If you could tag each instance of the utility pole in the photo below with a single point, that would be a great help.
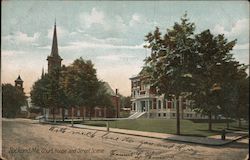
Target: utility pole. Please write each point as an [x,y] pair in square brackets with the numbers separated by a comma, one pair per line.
[116,98]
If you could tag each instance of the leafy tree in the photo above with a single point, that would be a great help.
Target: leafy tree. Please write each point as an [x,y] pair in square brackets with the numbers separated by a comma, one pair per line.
[80,84]
[39,92]
[211,54]
[46,91]
[242,108]
[102,97]
[13,99]
[171,60]
[125,102]
[232,74]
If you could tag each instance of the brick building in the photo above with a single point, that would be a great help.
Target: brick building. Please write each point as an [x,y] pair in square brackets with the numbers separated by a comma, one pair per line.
[146,103]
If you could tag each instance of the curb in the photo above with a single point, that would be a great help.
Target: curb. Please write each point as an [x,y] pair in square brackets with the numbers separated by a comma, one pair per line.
[119,132]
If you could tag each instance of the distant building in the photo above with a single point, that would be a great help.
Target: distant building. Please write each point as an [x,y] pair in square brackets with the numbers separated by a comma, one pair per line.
[146,103]
[19,83]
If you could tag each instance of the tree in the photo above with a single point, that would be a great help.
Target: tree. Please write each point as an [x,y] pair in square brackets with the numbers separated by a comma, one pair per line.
[13,99]
[39,92]
[242,108]
[102,97]
[233,74]
[125,101]
[171,61]
[80,84]
[46,91]
[211,54]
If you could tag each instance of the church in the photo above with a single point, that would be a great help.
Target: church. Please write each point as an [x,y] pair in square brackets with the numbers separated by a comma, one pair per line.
[54,62]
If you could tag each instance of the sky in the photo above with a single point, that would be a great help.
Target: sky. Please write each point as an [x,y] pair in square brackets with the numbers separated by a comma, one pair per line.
[109,33]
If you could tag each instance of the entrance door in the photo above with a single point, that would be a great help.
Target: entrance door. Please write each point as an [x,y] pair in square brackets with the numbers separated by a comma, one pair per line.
[143,107]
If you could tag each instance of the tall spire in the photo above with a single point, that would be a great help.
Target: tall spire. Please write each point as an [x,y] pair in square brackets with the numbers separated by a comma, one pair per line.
[42,73]
[54,49]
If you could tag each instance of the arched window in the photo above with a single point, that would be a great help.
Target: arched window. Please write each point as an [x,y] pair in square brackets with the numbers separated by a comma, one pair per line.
[159,104]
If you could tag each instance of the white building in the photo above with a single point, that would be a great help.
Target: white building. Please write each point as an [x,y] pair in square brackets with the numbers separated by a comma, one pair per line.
[146,103]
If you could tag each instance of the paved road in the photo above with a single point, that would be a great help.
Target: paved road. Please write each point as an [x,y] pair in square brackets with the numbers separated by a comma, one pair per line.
[29,140]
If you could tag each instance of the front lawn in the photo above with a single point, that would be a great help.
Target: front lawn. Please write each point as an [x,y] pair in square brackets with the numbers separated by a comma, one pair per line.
[168,126]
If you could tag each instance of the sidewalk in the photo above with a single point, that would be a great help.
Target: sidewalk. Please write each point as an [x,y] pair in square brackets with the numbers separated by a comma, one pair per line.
[212,140]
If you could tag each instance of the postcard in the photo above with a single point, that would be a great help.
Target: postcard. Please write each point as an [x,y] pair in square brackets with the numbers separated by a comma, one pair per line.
[125,80]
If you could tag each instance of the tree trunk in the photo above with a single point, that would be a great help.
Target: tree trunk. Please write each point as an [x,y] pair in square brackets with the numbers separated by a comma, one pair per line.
[83,112]
[90,113]
[177,116]
[53,110]
[210,121]
[63,114]
[227,121]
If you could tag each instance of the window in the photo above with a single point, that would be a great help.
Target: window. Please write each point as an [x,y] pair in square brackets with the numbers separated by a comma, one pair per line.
[164,114]
[159,104]
[150,104]
[159,115]
[66,112]
[164,104]
[190,115]
[134,106]
[169,104]
[173,114]
[154,103]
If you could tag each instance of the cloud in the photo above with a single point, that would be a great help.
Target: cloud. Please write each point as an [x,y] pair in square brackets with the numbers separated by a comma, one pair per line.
[94,17]
[239,27]
[242,46]
[21,38]
[9,53]
[115,57]
[78,45]
[136,18]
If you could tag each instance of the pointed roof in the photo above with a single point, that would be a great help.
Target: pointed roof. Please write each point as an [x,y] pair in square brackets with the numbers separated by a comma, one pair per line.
[42,73]
[54,49]
[18,79]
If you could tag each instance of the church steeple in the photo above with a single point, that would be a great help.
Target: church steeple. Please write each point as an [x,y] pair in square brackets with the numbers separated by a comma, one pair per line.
[54,49]
[54,60]
[42,73]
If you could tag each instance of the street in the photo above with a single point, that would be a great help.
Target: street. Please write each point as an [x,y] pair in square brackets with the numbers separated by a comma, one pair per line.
[25,139]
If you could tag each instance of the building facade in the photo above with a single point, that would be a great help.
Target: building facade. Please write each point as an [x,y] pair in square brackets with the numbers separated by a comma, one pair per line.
[146,103]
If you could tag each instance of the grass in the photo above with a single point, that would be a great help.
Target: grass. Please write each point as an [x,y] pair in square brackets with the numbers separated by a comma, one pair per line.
[188,127]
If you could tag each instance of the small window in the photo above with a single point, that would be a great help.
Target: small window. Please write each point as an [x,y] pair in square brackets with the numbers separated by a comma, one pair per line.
[164,114]
[159,115]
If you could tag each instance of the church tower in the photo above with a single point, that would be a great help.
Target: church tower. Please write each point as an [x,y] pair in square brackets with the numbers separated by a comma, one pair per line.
[54,60]
[19,83]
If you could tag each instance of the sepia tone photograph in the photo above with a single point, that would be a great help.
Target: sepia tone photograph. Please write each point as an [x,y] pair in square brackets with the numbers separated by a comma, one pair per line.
[124,80]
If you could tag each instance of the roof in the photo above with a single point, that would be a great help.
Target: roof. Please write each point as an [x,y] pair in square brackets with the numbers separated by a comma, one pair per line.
[18,79]
[54,50]
[109,89]
[134,77]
